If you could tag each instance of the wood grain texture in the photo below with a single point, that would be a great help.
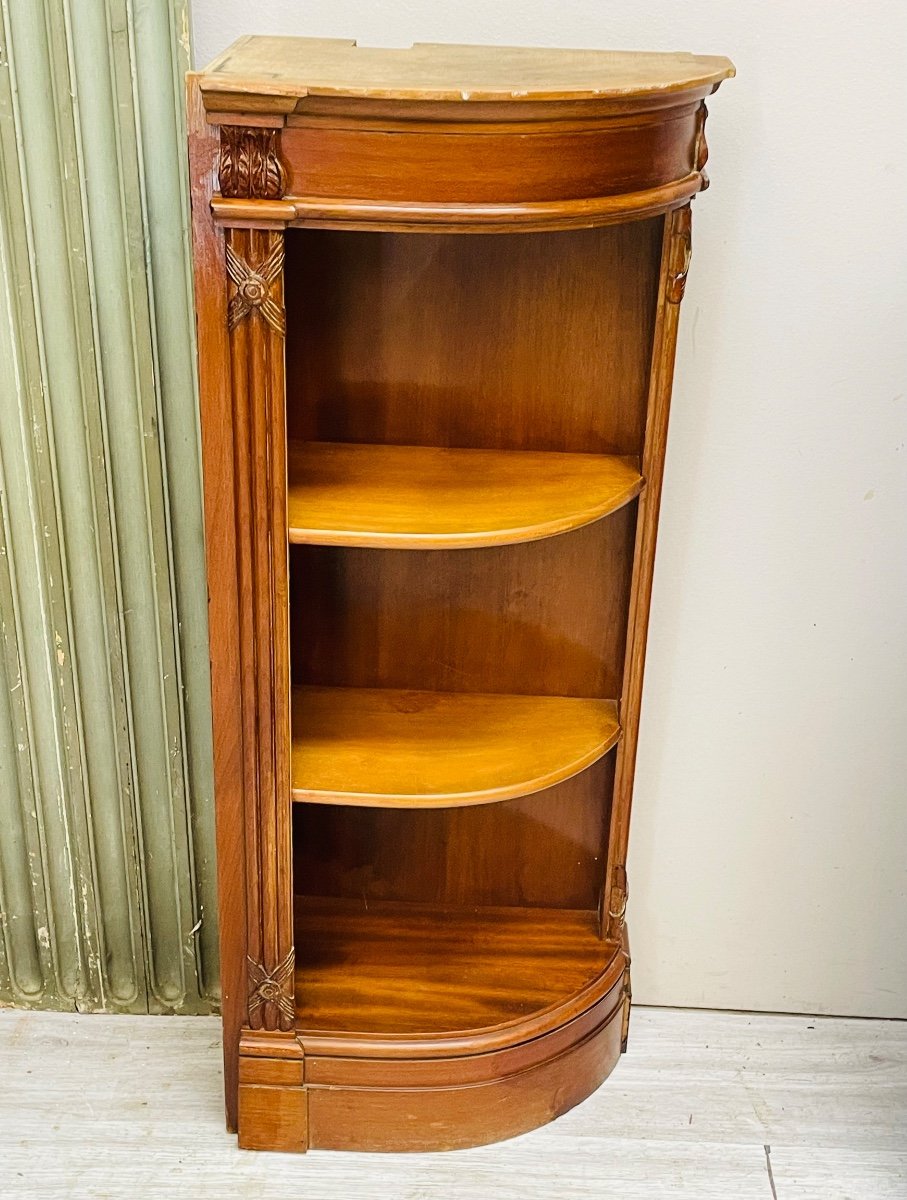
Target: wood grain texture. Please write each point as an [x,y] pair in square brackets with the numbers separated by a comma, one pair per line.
[430,1029]
[410,969]
[412,216]
[424,497]
[543,618]
[417,749]
[489,165]
[243,425]
[463,1115]
[542,850]
[255,323]
[500,342]
[223,610]
[362,125]
[675,263]
[298,67]
[439,1060]
[273,1117]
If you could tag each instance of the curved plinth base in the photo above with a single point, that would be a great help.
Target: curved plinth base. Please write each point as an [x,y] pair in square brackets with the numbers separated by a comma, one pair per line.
[433,1093]
[448,1105]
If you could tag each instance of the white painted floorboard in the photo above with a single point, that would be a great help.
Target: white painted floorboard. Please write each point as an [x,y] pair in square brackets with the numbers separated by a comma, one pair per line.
[114,1107]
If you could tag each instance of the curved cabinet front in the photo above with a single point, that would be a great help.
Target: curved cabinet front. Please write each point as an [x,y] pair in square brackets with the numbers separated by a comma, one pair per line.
[424,1030]
[372,1101]
[432,479]
[591,151]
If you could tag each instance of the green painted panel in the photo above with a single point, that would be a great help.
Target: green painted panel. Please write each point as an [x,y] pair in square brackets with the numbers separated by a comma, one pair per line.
[107,895]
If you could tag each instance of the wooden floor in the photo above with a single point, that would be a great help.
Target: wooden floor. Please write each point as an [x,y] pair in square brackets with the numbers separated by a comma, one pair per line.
[704,1105]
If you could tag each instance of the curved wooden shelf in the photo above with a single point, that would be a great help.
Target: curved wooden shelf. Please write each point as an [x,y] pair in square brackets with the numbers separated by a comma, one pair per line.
[426,498]
[406,749]
[442,978]
[427,1027]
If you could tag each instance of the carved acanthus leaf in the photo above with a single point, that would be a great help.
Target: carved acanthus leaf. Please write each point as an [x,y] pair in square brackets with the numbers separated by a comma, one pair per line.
[250,166]
[681,247]
[701,149]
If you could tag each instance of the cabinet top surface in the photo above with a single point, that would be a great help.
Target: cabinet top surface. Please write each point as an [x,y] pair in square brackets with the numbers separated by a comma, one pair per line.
[297,67]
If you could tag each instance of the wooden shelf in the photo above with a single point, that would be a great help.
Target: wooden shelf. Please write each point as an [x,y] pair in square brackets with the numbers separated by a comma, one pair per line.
[410,969]
[396,749]
[424,497]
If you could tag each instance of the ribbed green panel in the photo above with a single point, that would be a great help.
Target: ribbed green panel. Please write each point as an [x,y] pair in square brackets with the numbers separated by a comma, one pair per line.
[107,896]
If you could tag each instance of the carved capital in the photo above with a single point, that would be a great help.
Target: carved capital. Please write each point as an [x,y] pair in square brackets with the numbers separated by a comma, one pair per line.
[681,248]
[250,166]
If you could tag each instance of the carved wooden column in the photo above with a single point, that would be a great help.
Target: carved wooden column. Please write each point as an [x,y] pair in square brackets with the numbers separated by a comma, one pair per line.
[271,1108]
[249,167]
[254,260]
[675,261]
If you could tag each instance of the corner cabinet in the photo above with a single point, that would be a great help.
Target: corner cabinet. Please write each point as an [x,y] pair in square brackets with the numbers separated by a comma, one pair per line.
[437,294]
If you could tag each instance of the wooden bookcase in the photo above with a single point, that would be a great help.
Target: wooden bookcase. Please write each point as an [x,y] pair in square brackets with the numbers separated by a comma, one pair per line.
[437,294]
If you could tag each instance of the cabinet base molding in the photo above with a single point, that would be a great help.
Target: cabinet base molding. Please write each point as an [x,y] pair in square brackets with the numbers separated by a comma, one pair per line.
[341,1092]
[273,1118]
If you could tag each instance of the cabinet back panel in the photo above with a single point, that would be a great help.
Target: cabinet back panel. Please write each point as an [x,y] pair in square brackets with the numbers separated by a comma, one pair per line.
[506,341]
[543,850]
[510,342]
[542,618]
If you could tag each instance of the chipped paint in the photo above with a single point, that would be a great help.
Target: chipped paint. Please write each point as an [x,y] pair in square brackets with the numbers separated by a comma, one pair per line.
[106,836]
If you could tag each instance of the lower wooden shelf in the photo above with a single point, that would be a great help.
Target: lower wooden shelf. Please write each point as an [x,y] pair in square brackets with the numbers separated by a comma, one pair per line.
[418,969]
[426,1028]
[393,748]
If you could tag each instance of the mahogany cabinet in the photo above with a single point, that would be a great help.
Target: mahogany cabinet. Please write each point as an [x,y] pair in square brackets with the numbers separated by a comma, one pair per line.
[437,292]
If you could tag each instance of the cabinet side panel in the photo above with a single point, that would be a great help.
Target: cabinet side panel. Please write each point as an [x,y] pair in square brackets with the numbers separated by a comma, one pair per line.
[223,618]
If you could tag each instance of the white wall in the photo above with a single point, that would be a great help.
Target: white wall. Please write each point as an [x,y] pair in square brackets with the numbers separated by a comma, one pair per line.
[770,827]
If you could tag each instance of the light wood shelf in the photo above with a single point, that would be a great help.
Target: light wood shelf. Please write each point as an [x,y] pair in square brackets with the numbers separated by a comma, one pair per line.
[414,749]
[426,497]
[411,968]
